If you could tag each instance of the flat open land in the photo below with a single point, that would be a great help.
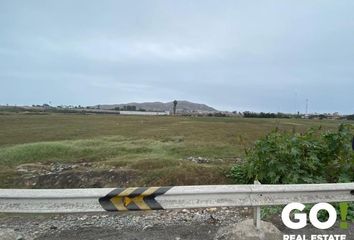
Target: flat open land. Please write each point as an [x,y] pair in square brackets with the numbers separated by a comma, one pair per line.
[76,150]
[73,150]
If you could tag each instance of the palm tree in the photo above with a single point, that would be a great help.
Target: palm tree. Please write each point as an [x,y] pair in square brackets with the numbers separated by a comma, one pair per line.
[174,107]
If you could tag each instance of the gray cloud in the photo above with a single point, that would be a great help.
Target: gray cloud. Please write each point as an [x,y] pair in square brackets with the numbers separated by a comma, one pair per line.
[234,55]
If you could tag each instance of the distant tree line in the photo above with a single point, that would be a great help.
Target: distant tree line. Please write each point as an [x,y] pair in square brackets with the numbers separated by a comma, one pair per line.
[217,114]
[318,116]
[350,117]
[129,108]
[249,114]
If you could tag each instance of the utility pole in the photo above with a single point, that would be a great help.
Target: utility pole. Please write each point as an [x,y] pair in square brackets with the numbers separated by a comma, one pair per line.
[307,106]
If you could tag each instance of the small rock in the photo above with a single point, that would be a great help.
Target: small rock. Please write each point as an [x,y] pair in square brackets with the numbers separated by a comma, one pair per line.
[185,211]
[198,160]
[83,218]
[212,209]
[147,227]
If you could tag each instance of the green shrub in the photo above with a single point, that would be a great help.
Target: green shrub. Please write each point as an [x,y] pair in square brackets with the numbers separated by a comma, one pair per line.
[310,157]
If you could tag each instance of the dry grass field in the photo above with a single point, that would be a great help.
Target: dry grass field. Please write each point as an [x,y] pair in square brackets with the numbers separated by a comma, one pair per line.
[156,148]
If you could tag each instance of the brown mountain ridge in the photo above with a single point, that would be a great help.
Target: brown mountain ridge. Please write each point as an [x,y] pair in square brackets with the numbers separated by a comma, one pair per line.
[182,106]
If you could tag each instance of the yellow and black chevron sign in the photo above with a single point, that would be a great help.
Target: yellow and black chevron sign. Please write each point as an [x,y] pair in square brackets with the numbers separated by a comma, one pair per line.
[133,199]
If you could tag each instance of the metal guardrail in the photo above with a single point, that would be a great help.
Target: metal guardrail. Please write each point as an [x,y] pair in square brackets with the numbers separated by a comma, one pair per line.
[154,198]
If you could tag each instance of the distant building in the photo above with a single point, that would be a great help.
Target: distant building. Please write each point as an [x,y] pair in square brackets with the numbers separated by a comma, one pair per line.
[144,113]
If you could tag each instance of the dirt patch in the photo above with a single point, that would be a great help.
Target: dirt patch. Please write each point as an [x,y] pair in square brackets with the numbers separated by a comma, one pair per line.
[73,176]
[84,179]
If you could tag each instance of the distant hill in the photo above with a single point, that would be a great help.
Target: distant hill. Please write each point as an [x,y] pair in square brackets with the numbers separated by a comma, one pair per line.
[182,106]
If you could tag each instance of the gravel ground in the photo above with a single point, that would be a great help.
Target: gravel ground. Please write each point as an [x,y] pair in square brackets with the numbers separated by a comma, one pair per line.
[188,224]
[170,224]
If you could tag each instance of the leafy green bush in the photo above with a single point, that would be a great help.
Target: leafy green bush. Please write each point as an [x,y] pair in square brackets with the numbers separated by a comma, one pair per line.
[311,157]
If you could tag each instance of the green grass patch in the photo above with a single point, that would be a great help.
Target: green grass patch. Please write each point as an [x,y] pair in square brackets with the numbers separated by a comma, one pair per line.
[99,149]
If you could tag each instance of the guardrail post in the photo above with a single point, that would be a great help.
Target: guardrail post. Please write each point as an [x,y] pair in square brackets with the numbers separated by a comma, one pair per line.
[257,212]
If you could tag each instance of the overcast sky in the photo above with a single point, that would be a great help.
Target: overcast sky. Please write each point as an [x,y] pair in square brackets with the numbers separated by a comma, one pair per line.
[231,55]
